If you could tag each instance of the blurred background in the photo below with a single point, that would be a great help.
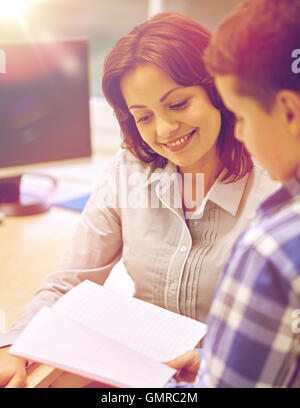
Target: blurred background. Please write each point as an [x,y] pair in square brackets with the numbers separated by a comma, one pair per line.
[102,22]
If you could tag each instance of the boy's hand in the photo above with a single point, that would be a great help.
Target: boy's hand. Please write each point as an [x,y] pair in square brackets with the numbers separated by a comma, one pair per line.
[187,365]
[12,370]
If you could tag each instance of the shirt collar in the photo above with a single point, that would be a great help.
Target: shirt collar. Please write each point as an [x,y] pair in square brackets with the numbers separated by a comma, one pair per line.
[161,174]
[281,197]
[225,195]
[228,195]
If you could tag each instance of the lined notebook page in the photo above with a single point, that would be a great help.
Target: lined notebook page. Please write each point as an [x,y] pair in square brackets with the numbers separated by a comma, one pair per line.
[54,339]
[148,329]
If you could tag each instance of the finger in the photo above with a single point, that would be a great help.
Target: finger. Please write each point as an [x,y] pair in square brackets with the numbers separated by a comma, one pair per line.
[183,360]
[4,382]
[5,378]
[177,377]
[18,380]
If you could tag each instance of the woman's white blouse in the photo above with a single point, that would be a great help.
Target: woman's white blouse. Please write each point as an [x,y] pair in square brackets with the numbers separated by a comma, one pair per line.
[136,214]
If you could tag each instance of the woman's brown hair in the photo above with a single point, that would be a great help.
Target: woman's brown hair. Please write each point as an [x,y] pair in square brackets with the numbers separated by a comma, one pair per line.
[175,44]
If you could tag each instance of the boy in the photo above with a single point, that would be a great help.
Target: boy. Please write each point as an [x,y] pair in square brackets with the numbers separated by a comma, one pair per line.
[253,337]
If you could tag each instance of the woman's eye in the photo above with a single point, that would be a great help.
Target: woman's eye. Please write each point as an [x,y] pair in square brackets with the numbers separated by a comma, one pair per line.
[179,105]
[143,119]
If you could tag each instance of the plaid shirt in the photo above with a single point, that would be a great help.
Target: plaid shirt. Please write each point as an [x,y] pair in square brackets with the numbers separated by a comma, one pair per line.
[253,337]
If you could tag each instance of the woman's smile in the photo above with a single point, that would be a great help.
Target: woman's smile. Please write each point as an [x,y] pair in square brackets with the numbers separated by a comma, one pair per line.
[169,117]
[179,143]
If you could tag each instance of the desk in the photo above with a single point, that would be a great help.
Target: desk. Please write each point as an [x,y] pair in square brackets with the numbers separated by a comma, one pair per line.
[30,248]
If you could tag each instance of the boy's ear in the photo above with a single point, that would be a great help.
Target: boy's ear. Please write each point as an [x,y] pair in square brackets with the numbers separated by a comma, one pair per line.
[289,103]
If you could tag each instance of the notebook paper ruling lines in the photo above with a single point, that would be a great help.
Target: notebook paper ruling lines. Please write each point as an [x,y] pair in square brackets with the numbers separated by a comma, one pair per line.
[58,341]
[146,327]
[107,336]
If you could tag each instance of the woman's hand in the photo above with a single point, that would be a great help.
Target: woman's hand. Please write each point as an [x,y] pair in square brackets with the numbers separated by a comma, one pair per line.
[12,370]
[187,365]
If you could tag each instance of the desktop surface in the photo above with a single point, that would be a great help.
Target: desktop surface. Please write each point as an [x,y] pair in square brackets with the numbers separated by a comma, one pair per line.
[31,246]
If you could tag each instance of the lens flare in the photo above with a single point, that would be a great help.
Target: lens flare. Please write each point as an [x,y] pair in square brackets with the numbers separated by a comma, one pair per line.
[13,8]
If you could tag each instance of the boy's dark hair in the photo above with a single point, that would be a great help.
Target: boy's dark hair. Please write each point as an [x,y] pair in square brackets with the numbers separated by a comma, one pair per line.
[255,44]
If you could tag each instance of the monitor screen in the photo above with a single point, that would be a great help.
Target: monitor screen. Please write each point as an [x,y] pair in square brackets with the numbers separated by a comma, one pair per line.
[44,104]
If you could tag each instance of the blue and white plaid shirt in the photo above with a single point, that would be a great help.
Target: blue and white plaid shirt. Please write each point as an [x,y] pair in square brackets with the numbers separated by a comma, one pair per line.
[253,337]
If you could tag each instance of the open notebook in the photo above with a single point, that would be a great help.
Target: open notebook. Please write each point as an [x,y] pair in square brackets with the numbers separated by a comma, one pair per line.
[109,337]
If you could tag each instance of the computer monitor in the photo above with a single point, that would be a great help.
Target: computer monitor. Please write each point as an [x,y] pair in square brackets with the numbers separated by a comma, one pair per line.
[44,114]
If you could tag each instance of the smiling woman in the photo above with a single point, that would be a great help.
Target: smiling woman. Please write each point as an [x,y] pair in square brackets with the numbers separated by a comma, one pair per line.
[175,243]
[173,45]
[178,123]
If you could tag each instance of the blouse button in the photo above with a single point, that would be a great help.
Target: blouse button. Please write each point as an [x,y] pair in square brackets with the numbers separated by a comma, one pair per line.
[183,248]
